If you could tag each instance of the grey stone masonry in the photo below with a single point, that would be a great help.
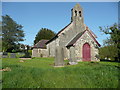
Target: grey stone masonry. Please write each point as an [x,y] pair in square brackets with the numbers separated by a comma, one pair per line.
[59,56]
[72,60]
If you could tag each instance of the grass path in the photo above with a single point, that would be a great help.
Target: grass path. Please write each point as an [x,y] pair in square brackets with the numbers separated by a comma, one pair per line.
[40,73]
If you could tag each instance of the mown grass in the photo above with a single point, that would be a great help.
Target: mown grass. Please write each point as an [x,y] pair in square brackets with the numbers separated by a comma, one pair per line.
[40,73]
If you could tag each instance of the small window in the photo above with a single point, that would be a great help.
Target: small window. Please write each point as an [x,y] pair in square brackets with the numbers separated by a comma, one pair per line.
[80,13]
[75,13]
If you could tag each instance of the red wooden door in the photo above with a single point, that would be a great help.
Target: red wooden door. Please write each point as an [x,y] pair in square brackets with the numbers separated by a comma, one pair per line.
[86,52]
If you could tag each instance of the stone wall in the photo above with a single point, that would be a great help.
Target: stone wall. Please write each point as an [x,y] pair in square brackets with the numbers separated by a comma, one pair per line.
[70,32]
[86,38]
[35,52]
[51,47]
[38,52]
[64,38]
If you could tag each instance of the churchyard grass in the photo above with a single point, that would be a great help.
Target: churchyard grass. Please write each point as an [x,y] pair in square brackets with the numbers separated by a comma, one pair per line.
[17,55]
[40,73]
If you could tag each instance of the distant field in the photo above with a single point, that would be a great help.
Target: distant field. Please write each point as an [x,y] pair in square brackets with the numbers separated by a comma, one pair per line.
[40,73]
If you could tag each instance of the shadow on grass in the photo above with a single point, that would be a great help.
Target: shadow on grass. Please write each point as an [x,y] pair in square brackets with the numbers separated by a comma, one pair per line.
[105,60]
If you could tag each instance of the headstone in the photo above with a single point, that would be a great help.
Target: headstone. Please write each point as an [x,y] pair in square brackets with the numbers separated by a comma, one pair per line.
[12,55]
[73,60]
[59,56]
[4,55]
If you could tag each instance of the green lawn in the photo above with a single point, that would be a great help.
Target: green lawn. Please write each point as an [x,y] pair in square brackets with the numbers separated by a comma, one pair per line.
[40,73]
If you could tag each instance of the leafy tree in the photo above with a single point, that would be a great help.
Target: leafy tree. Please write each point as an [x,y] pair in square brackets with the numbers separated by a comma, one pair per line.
[114,39]
[12,33]
[44,33]
[108,52]
[0,36]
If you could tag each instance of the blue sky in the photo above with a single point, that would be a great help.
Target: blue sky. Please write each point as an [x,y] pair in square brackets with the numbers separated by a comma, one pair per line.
[56,15]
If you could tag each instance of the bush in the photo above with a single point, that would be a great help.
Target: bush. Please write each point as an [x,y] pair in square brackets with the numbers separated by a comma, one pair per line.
[30,52]
[27,54]
[5,53]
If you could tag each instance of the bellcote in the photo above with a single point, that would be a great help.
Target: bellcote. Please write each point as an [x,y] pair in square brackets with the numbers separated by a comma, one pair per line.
[77,13]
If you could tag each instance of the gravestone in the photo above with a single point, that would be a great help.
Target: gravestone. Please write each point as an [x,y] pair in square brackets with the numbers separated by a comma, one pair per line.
[59,56]
[12,55]
[73,60]
[4,55]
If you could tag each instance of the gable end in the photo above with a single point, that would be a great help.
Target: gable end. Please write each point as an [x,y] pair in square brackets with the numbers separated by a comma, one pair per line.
[78,36]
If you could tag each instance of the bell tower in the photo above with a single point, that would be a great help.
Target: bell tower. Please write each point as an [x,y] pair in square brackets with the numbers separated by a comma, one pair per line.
[77,13]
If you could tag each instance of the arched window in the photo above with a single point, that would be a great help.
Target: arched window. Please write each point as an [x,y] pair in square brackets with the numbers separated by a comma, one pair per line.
[80,13]
[75,13]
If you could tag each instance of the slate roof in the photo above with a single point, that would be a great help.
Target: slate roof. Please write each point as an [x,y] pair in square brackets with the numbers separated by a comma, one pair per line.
[41,44]
[58,33]
[78,36]
[63,30]
[75,39]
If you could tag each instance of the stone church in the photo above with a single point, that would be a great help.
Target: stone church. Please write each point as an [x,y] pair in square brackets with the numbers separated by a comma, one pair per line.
[76,39]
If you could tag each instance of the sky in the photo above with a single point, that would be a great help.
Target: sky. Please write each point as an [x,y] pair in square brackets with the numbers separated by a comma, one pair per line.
[56,15]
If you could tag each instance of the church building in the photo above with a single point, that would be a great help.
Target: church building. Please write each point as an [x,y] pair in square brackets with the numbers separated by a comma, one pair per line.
[77,37]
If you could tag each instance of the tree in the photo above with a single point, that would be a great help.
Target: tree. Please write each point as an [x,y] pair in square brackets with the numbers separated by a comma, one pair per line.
[114,39]
[108,52]
[0,36]
[12,33]
[44,33]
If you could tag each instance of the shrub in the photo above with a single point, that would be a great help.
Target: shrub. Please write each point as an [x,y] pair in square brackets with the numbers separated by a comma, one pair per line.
[30,52]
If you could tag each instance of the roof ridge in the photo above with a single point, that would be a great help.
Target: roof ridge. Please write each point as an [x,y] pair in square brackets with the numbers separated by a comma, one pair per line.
[77,37]
[58,33]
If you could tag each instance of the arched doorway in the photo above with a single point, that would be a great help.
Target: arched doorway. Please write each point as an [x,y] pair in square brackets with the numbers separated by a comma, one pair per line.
[86,52]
